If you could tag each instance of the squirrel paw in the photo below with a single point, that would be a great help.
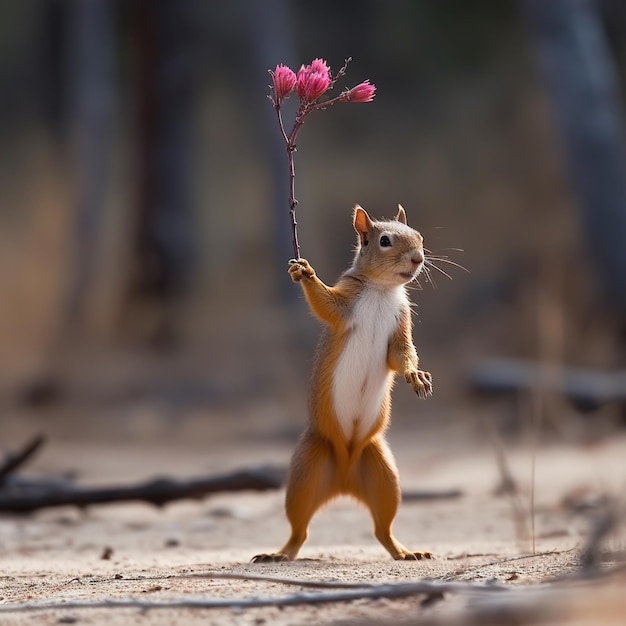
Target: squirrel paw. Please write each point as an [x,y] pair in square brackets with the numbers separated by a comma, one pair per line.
[299,269]
[414,556]
[269,558]
[422,382]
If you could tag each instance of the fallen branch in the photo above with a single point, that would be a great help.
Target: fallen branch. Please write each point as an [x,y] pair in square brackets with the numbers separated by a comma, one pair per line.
[580,576]
[296,582]
[25,495]
[371,592]
[157,492]
[476,568]
[508,601]
[14,461]
[429,496]
[603,523]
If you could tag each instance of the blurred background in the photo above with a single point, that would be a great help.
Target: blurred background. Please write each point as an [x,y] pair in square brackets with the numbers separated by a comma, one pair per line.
[144,233]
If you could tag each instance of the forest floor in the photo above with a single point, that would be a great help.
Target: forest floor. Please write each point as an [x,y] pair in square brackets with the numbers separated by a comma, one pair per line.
[181,552]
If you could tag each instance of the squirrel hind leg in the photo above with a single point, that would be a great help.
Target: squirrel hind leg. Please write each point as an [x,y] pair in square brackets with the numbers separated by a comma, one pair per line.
[313,480]
[376,483]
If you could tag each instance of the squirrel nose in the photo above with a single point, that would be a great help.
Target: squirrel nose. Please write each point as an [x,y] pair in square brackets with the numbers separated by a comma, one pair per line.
[417,258]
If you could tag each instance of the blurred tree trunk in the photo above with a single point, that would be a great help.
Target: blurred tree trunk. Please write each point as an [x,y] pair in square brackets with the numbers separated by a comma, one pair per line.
[162,245]
[80,40]
[580,76]
[91,50]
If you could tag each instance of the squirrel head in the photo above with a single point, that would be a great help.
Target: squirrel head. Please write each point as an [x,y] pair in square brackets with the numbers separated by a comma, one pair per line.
[389,252]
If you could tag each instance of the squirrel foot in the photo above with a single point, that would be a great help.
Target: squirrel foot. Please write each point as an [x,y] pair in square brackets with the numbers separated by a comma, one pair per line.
[270,558]
[299,269]
[413,556]
[422,382]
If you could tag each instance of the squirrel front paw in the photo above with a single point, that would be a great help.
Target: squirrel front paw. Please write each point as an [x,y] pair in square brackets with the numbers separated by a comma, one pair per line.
[422,382]
[299,269]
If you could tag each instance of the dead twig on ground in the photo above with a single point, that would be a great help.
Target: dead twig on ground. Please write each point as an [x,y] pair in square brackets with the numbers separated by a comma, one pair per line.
[508,486]
[14,461]
[507,600]
[28,495]
[603,523]
[371,592]
[297,582]
[522,557]
[427,496]
[158,492]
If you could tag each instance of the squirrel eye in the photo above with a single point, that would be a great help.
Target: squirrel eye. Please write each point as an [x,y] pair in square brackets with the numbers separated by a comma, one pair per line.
[385,242]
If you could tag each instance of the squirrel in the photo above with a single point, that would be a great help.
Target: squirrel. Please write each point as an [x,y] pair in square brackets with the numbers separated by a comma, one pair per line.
[367,339]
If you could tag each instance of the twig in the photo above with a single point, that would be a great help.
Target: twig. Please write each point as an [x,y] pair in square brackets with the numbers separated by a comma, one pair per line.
[535,429]
[157,492]
[507,598]
[604,522]
[523,557]
[314,584]
[290,147]
[374,592]
[17,459]
[427,496]
[30,495]
[508,486]
[338,584]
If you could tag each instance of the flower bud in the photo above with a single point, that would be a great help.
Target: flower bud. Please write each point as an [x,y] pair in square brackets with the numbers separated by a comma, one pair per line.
[284,81]
[364,92]
[320,66]
[313,80]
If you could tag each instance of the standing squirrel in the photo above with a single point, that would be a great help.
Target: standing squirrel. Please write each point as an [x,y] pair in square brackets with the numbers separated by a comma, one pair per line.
[367,340]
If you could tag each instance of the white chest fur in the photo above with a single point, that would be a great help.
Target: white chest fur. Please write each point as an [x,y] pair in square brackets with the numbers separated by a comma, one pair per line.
[362,376]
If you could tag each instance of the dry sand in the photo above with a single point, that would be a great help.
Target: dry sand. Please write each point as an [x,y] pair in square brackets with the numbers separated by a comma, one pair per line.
[58,555]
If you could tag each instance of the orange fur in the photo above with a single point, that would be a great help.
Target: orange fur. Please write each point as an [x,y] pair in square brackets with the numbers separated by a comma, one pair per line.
[330,458]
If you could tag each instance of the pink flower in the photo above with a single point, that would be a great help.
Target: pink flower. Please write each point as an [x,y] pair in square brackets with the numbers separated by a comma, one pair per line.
[319,65]
[313,80]
[284,81]
[364,92]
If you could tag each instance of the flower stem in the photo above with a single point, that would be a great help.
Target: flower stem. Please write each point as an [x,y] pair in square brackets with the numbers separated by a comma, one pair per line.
[290,146]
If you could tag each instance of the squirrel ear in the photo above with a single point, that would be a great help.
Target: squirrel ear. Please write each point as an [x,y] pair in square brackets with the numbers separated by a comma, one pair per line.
[401,216]
[362,224]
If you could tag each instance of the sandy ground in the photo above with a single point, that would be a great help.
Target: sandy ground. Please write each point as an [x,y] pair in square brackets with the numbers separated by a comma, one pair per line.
[58,555]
